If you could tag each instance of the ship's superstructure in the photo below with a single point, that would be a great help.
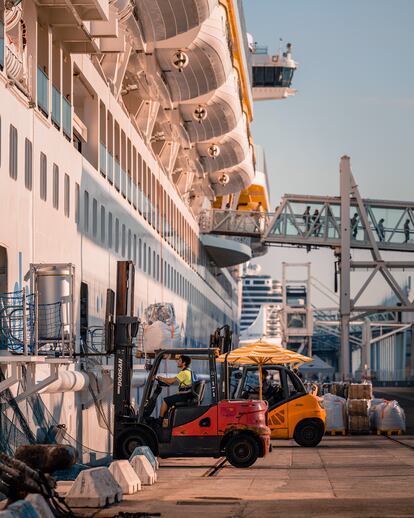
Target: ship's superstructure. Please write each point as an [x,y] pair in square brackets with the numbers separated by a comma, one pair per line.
[119,122]
[258,290]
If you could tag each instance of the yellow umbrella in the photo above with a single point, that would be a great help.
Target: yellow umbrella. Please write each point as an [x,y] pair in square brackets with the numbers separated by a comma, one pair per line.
[261,353]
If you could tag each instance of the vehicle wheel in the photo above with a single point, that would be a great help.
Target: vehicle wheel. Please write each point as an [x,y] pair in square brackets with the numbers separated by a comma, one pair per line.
[242,451]
[308,433]
[130,439]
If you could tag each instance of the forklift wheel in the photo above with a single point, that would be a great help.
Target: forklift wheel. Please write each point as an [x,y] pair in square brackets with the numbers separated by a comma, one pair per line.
[130,439]
[242,451]
[308,433]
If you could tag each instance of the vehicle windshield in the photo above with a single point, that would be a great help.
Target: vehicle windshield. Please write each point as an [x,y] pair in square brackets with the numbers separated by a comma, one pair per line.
[272,389]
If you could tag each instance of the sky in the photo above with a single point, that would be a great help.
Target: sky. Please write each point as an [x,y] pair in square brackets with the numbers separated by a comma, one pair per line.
[355,96]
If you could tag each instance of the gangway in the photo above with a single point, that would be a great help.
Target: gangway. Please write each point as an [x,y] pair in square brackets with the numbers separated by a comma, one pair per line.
[291,225]
[341,223]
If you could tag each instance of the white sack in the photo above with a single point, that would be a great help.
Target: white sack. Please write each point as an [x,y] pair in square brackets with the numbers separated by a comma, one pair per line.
[335,407]
[390,416]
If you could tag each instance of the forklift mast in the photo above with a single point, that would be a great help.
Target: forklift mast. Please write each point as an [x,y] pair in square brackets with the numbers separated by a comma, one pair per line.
[125,329]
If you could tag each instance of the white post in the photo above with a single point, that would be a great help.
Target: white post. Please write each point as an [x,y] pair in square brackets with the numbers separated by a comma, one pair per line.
[345,263]
[24,321]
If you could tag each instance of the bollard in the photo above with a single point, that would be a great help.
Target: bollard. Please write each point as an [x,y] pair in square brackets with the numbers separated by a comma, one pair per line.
[124,474]
[144,470]
[20,509]
[94,487]
[146,450]
[40,504]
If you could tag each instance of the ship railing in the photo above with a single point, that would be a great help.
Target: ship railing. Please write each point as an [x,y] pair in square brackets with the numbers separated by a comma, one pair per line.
[102,158]
[123,182]
[67,118]
[17,322]
[42,91]
[260,49]
[1,45]
[117,182]
[30,328]
[56,106]
[110,168]
[233,222]
[129,188]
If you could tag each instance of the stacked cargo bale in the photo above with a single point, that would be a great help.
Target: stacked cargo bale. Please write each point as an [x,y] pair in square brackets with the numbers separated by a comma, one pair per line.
[359,399]
[340,389]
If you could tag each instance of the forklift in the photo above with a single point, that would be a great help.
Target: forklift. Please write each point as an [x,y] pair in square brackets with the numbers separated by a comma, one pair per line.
[292,412]
[206,425]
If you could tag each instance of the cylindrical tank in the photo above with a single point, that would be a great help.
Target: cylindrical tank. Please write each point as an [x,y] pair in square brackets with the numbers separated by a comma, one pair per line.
[53,286]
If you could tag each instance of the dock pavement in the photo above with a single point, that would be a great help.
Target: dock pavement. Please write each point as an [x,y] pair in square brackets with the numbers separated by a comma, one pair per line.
[345,476]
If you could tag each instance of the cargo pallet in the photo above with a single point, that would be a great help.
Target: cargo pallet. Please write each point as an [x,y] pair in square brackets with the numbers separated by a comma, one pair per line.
[389,432]
[335,432]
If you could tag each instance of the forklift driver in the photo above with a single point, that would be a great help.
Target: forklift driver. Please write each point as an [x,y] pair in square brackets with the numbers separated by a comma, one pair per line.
[271,390]
[184,379]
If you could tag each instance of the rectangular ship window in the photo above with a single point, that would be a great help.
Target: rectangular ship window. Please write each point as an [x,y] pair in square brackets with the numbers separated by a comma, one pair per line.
[77,195]
[43,176]
[123,240]
[13,153]
[134,249]
[103,222]
[86,211]
[110,229]
[94,217]
[116,235]
[66,195]
[28,164]
[55,186]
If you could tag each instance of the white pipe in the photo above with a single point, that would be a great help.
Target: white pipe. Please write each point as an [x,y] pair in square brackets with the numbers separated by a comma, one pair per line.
[68,381]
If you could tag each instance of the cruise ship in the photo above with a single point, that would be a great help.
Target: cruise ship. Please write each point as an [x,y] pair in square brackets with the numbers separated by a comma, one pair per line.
[120,121]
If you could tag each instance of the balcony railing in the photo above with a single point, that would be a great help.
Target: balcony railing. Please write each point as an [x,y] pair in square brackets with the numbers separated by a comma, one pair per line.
[56,105]
[67,118]
[231,222]
[102,158]
[117,174]
[1,45]
[42,91]
[110,166]
[123,182]
[129,189]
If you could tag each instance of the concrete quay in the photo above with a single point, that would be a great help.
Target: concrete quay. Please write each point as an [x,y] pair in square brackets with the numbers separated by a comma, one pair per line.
[351,476]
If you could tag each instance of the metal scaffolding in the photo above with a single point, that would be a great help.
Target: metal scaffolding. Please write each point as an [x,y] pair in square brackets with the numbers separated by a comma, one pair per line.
[341,223]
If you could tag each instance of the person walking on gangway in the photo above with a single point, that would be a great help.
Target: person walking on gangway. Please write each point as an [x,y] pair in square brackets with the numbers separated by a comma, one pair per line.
[354,225]
[407,230]
[316,223]
[381,230]
[307,218]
